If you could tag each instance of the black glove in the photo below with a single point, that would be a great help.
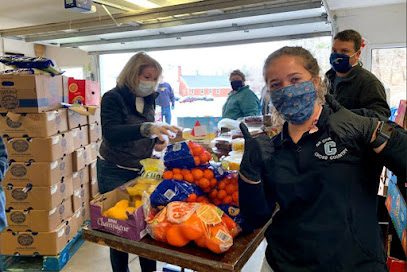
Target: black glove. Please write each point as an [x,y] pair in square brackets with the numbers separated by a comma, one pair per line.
[257,151]
[349,126]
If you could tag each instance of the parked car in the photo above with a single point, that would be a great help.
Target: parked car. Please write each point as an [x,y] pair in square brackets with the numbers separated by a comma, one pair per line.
[208,98]
[187,99]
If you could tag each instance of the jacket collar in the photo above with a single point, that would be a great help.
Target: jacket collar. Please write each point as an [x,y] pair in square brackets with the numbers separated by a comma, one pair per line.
[283,137]
[331,74]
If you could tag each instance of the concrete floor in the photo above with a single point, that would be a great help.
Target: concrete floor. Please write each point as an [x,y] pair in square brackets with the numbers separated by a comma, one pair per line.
[95,258]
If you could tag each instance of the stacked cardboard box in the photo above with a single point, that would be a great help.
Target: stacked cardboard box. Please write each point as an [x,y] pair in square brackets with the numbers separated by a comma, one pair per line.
[95,137]
[47,184]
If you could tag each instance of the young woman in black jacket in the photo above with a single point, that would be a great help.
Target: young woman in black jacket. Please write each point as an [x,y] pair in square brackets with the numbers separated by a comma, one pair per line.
[129,134]
[316,171]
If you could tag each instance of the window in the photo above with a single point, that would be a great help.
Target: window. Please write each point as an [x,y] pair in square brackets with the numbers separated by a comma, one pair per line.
[210,91]
[389,65]
[202,91]
[192,91]
[75,72]
[217,91]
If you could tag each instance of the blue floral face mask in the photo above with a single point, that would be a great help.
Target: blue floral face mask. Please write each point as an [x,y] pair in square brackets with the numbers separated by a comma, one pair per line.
[295,102]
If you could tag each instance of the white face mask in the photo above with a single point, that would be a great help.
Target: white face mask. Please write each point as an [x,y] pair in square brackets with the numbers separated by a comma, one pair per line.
[145,88]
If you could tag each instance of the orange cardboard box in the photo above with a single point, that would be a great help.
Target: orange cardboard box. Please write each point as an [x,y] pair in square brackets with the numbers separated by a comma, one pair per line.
[76,119]
[80,177]
[42,243]
[39,149]
[39,173]
[22,197]
[39,220]
[80,136]
[30,93]
[34,124]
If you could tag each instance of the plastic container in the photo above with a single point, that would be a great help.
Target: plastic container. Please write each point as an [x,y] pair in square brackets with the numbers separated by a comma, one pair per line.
[238,144]
[233,162]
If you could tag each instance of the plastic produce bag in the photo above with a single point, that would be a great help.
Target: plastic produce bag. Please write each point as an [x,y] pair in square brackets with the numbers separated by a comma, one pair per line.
[180,223]
[186,155]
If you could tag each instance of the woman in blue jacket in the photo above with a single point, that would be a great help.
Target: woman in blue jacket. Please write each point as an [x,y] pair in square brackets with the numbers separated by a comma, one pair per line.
[316,171]
[241,101]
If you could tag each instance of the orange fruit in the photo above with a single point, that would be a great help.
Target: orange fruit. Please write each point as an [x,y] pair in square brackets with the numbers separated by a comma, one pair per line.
[197,173]
[208,174]
[168,174]
[160,230]
[235,196]
[231,225]
[178,177]
[185,172]
[176,171]
[203,158]
[189,177]
[201,241]
[221,194]
[192,228]
[191,144]
[197,160]
[213,182]
[222,184]
[217,201]
[219,239]
[202,199]
[208,155]
[191,198]
[227,199]
[204,183]
[197,150]
[230,189]
[207,189]
[175,236]
[213,194]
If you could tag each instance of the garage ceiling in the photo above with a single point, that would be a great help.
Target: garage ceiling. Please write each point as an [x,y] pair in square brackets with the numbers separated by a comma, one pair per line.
[121,26]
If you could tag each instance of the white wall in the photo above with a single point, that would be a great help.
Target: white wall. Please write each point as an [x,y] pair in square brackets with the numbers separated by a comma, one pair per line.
[64,57]
[380,25]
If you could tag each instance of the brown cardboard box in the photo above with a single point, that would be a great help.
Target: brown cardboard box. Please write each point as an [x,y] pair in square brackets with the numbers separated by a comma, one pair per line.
[80,197]
[30,93]
[81,215]
[92,170]
[38,198]
[34,124]
[42,243]
[94,116]
[94,147]
[80,136]
[39,149]
[75,119]
[93,188]
[65,90]
[95,132]
[80,177]
[39,220]
[81,157]
[39,173]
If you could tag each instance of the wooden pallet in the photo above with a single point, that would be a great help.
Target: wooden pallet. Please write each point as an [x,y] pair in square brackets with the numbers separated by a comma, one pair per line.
[42,263]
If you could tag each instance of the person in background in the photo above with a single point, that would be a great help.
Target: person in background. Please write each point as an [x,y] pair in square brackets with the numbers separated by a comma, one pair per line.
[241,101]
[165,99]
[313,169]
[350,84]
[265,101]
[129,134]
[3,170]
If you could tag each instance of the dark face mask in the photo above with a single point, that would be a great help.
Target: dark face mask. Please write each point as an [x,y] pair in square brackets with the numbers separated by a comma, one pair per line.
[340,62]
[236,84]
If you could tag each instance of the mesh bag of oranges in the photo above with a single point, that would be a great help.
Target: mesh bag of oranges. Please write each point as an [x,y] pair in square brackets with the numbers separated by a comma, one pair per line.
[186,155]
[180,223]
[226,191]
[205,177]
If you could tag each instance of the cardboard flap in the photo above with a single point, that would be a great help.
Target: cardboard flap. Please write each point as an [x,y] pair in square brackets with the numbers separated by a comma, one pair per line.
[15,117]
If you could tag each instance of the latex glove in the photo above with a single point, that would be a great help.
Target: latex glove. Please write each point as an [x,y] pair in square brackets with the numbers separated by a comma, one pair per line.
[257,151]
[349,126]
[172,107]
[160,145]
[159,130]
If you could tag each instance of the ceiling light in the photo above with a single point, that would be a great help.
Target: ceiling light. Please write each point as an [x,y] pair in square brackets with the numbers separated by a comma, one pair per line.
[144,3]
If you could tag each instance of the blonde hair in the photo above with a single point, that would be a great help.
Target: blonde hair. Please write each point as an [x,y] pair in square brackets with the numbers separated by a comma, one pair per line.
[306,59]
[129,76]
